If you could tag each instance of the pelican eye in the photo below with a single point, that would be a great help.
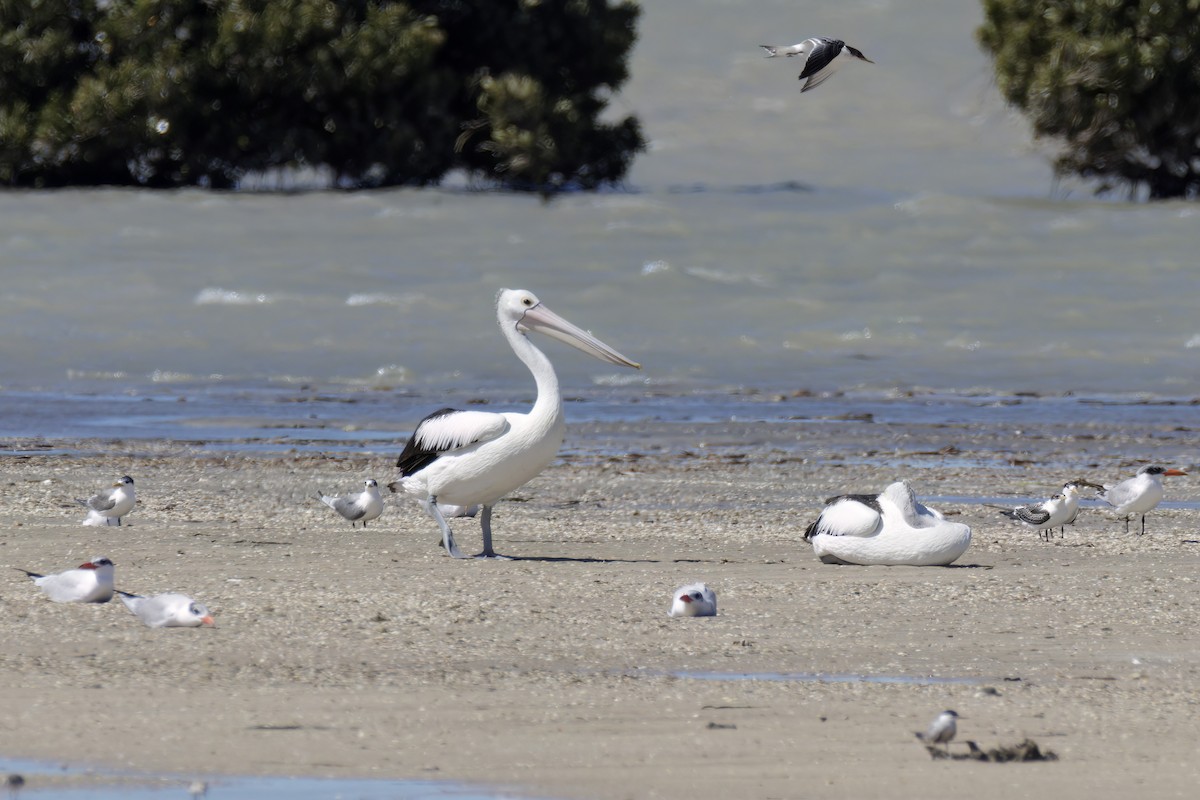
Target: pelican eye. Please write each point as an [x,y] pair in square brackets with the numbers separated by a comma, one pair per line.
[528,301]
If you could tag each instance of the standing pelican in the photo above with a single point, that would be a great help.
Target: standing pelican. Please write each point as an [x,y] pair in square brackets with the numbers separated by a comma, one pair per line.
[464,458]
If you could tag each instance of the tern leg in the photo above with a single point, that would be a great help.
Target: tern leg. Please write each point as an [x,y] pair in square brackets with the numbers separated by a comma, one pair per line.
[447,537]
[1143,524]
[485,525]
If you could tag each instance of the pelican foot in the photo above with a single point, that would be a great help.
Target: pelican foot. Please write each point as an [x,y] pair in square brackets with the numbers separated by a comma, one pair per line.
[494,557]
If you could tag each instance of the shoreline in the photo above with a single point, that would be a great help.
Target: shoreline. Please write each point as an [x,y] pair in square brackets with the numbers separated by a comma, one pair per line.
[369,654]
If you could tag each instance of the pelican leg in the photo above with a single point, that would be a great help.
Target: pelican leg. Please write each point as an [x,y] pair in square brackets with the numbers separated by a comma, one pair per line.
[485,525]
[447,537]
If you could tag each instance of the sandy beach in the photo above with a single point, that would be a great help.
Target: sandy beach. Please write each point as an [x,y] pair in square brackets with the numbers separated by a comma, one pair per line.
[368,653]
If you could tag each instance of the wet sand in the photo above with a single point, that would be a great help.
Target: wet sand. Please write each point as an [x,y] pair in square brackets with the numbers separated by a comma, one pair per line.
[369,653]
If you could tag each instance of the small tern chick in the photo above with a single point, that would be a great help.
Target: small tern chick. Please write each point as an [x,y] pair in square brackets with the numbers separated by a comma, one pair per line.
[362,507]
[822,57]
[111,504]
[91,582]
[169,610]
[942,730]
[694,600]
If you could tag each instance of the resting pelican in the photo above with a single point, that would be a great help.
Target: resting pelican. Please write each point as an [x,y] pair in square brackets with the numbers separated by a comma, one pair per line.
[890,529]
[464,458]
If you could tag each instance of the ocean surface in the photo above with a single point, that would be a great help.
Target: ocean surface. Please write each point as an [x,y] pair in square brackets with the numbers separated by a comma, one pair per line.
[893,241]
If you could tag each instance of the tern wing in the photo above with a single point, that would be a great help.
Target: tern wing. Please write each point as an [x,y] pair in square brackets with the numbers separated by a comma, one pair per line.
[1120,494]
[101,502]
[1030,515]
[820,65]
[447,430]
[348,507]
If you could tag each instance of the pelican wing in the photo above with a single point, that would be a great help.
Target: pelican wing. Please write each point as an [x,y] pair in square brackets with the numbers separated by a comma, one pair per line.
[848,515]
[444,431]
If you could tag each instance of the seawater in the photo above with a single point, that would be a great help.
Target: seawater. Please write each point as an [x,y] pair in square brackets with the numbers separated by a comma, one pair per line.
[894,233]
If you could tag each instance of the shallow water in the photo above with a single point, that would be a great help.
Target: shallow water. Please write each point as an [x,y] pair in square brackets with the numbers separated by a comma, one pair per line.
[69,782]
[823,677]
[893,230]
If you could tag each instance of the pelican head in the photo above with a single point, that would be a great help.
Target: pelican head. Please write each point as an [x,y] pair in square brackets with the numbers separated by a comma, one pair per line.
[522,309]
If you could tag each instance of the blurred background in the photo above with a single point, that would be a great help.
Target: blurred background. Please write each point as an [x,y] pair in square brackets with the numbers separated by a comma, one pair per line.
[895,231]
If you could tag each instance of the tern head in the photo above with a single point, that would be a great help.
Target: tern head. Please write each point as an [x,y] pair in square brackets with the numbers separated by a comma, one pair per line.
[523,309]
[1154,469]
[858,54]
[124,480]
[694,600]
[199,616]
[96,563]
[370,483]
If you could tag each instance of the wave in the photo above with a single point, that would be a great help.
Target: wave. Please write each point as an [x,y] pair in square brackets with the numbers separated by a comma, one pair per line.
[215,295]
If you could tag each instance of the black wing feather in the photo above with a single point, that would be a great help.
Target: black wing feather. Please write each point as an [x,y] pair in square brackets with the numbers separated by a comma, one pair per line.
[819,58]
[413,458]
[869,500]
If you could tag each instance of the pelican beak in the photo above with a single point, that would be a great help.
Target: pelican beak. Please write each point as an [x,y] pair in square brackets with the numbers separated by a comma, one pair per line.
[1174,472]
[543,320]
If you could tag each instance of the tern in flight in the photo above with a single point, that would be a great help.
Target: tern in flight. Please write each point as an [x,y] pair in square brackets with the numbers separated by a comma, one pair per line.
[822,57]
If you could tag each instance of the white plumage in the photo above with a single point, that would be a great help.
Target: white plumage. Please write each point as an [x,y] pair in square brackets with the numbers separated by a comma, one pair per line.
[942,730]
[821,56]
[362,507]
[1056,511]
[111,504]
[465,458]
[90,582]
[1138,495]
[693,600]
[889,529]
[168,610]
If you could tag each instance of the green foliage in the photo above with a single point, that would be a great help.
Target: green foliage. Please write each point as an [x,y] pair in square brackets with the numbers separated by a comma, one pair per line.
[202,92]
[1117,80]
